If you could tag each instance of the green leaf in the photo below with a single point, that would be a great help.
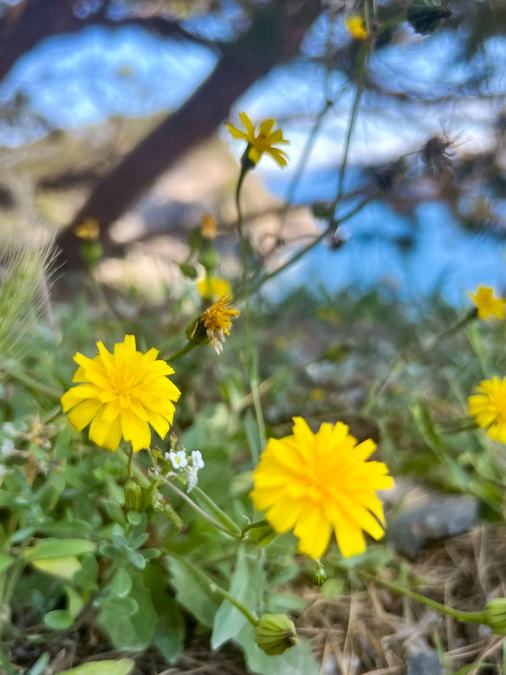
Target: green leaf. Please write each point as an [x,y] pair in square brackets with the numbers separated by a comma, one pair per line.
[130,622]
[64,567]
[169,637]
[121,583]
[5,561]
[58,619]
[121,667]
[58,548]
[192,592]
[247,586]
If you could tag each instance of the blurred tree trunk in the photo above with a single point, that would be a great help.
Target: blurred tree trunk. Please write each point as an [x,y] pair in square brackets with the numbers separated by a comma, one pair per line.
[274,36]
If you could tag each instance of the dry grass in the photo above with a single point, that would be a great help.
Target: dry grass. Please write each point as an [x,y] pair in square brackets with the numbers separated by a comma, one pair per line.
[371,632]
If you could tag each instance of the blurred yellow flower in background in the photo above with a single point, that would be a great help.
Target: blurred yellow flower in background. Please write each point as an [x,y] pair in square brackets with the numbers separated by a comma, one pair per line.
[120,395]
[355,25]
[488,406]
[262,141]
[89,229]
[314,483]
[212,288]
[488,306]
[217,322]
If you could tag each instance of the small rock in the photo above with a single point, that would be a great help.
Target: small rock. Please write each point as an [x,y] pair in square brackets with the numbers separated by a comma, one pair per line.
[421,524]
[424,662]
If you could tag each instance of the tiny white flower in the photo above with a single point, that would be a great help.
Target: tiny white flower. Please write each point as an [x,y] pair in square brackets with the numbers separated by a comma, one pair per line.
[9,429]
[7,448]
[178,459]
[197,461]
[193,478]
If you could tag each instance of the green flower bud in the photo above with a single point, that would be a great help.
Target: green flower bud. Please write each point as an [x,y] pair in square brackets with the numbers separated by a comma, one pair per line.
[319,575]
[133,496]
[275,633]
[495,615]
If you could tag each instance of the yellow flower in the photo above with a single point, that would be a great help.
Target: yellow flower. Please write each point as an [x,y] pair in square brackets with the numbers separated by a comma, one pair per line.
[216,321]
[212,288]
[208,227]
[316,483]
[488,407]
[355,25]
[89,229]
[488,306]
[120,394]
[262,141]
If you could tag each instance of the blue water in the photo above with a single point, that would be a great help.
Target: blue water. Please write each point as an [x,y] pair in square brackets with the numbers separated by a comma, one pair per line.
[82,79]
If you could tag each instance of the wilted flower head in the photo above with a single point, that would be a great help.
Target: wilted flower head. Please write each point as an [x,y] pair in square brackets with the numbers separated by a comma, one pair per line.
[316,483]
[355,25]
[212,288]
[120,395]
[488,406]
[487,305]
[262,141]
[216,322]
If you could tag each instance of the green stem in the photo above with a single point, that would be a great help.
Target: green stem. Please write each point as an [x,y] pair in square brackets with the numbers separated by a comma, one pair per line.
[460,615]
[191,344]
[252,526]
[349,134]
[217,589]
[199,510]
[129,465]
[302,252]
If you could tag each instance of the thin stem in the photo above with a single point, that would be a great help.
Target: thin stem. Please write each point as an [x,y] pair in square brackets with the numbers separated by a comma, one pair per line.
[129,465]
[197,508]
[191,344]
[302,252]
[349,133]
[216,588]
[460,615]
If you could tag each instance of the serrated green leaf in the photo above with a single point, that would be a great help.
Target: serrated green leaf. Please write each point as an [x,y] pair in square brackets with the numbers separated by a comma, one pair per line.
[192,592]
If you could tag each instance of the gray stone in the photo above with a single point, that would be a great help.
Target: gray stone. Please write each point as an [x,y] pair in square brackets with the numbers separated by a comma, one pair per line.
[419,525]
[424,662]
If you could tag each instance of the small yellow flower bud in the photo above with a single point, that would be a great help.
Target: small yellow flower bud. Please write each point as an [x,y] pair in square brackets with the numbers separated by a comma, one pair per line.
[133,496]
[495,615]
[275,633]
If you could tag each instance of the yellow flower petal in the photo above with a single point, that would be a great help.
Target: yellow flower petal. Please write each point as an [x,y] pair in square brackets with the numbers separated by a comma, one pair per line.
[315,483]
[121,393]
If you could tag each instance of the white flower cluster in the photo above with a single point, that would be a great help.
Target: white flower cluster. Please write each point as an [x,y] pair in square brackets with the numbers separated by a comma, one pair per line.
[191,465]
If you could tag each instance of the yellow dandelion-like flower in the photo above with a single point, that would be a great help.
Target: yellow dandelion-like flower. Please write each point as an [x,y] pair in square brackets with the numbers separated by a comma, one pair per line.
[262,140]
[355,25]
[89,229]
[208,226]
[120,394]
[488,306]
[488,406]
[314,483]
[216,321]
[212,288]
